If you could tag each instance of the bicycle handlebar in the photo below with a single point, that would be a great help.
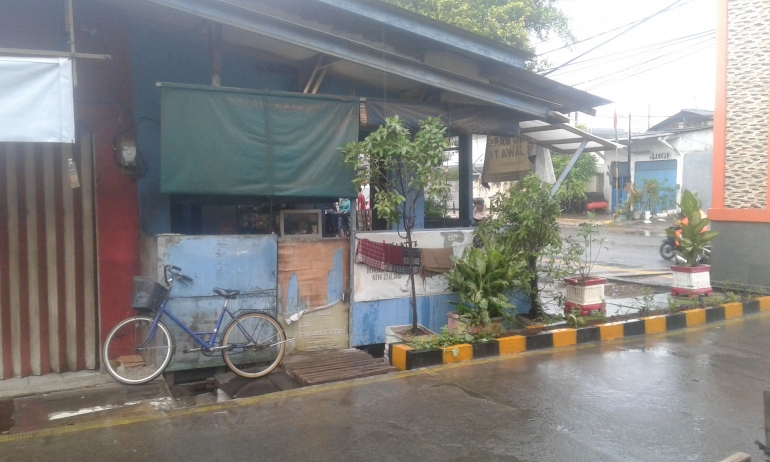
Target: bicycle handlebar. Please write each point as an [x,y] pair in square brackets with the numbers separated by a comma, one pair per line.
[175,272]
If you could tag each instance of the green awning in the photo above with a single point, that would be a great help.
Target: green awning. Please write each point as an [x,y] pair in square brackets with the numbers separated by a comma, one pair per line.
[255,143]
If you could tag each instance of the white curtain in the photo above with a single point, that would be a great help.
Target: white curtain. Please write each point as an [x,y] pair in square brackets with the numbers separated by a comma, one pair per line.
[543,163]
[36,100]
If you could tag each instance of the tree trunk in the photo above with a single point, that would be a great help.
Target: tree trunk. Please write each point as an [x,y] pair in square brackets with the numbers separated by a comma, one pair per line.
[411,280]
[535,309]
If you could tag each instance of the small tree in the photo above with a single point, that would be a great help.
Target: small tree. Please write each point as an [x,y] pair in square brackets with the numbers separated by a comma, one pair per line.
[406,169]
[524,220]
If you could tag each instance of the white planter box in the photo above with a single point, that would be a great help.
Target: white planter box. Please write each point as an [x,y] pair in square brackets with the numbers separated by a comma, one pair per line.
[585,295]
[391,336]
[691,280]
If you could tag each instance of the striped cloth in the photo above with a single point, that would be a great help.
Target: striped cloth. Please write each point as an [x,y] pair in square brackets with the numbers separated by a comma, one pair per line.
[371,254]
[387,257]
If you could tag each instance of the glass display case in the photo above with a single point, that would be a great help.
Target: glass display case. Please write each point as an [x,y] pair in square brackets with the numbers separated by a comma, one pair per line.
[300,223]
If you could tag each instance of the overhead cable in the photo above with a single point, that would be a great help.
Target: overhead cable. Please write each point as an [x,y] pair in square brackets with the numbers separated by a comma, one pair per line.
[625,54]
[639,23]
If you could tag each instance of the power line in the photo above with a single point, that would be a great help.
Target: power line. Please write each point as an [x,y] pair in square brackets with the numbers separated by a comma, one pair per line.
[634,52]
[639,23]
[640,63]
[614,78]
[594,36]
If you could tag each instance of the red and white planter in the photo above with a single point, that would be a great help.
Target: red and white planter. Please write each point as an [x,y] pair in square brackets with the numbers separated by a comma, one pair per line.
[691,280]
[586,295]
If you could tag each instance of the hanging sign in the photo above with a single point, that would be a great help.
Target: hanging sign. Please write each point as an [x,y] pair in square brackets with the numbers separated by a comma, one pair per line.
[372,284]
[506,159]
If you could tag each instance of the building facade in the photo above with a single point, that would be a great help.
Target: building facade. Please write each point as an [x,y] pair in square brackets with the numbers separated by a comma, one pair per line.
[739,208]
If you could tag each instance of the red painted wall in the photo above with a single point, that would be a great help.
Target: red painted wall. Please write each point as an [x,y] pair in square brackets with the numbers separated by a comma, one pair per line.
[103,104]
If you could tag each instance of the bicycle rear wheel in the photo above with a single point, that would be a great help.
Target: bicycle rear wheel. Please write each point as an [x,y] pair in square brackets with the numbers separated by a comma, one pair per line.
[256,344]
[131,362]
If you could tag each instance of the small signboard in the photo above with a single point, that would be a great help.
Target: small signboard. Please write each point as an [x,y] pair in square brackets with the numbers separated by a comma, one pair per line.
[506,159]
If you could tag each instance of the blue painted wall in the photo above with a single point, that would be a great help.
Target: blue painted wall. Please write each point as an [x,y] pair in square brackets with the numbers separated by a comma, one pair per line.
[245,263]
[161,56]
[369,319]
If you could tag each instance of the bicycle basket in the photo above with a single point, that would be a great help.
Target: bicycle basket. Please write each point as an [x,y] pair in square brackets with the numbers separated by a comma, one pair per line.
[147,295]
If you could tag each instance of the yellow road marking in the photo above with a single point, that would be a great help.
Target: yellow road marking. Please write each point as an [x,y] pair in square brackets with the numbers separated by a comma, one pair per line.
[661,272]
[243,402]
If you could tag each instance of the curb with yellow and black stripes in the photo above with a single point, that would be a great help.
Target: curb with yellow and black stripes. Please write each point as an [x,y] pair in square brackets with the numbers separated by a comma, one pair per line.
[403,357]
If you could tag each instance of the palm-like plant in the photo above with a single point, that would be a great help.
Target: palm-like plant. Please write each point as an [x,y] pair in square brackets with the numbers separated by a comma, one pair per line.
[481,278]
[693,239]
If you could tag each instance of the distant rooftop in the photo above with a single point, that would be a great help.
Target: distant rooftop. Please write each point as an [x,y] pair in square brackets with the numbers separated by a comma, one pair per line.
[686,119]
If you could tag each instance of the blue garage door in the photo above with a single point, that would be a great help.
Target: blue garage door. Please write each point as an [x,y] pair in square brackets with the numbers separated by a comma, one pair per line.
[664,172]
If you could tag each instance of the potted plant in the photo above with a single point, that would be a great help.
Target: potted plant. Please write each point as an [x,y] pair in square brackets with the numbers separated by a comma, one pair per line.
[691,278]
[634,202]
[481,278]
[650,197]
[585,293]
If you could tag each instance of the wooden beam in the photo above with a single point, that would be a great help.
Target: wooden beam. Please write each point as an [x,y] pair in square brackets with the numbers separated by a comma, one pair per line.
[52,54]
[542,128]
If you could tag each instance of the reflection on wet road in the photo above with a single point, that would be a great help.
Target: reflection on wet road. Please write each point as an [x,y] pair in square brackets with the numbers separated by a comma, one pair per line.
[693,395]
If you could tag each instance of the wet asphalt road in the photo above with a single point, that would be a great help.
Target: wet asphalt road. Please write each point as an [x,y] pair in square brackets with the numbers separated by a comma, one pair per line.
[692,395]
[624,249]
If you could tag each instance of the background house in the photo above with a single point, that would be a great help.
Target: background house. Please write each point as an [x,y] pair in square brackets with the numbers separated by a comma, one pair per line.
[676,152]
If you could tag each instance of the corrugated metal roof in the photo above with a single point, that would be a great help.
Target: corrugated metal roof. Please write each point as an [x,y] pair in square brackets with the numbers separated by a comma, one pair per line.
[562,138]
[365,38]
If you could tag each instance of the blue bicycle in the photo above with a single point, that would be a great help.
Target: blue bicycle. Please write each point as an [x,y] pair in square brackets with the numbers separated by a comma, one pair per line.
[140,348]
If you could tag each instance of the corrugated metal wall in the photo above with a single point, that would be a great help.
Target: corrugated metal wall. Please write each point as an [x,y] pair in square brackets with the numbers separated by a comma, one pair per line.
[48,307]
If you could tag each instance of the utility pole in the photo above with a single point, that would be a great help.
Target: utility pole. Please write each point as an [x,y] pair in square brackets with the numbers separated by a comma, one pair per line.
[648,115]
[617,180]
[630,177]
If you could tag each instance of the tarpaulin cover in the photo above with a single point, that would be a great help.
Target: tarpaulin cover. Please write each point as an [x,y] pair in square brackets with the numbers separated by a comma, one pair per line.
[243,142]
[462,119]
[36,103]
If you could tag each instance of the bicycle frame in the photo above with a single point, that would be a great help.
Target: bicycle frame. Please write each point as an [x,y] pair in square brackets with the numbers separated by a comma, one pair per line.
[195,335]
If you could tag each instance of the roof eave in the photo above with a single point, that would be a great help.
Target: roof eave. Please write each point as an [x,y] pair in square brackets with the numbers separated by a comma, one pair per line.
[432,29]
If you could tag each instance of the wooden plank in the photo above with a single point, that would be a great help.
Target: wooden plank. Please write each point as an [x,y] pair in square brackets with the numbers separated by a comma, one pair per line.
[362,372]
[13,256]
[69,263]
[335,366]
[329,360]
[49,161]
[346,368]
[351,376]
[33,280]
[358,372]
[89,259]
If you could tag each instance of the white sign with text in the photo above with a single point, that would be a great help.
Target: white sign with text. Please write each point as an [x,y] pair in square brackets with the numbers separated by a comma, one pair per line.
[372,284]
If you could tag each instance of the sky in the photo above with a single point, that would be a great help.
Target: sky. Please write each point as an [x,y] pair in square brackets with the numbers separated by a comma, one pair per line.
[661,66]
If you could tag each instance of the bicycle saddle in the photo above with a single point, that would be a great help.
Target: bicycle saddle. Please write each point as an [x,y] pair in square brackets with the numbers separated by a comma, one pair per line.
[226,293]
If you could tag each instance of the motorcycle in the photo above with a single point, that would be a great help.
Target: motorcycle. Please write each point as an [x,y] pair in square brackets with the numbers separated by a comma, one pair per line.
[669,246]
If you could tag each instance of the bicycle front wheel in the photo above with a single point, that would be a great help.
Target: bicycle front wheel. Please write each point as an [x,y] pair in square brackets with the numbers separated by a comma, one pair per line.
[255,344]
[133,359]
